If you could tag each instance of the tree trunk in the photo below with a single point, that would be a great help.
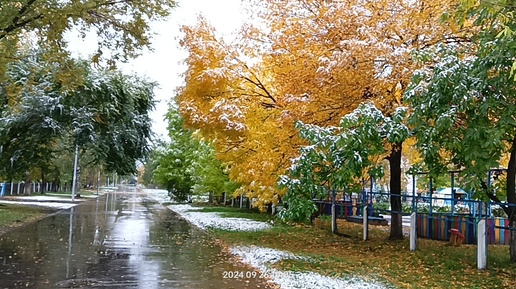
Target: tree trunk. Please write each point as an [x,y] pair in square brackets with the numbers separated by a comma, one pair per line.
[78,183]
[511,199]
[395,191]
[512,240]
[27,186]
[43,184]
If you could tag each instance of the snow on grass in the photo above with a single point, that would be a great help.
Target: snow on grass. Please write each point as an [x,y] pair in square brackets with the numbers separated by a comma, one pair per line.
[54,205]
[215,220]
[260,258]
[61,202]
[62,198]
[160,196]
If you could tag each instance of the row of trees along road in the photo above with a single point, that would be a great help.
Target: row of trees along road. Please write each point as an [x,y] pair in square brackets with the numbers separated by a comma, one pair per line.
[187,164]
[304,65]
[50,102]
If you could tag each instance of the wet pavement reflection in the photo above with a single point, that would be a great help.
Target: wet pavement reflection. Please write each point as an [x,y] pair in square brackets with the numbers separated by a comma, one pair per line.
[121,240]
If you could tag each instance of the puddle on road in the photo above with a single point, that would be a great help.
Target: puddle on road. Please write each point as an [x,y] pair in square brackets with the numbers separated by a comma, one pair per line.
[123,240]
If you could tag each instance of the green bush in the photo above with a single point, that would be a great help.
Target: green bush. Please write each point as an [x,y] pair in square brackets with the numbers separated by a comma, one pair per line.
[498,212]
[406,208]
[381,207]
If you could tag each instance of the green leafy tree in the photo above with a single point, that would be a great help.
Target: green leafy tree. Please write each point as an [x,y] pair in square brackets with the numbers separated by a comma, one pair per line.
[187,165]
[150,164]
[339,157]
[465,110]
[106,115]
[209,173]
[121,26]
[438,181]
[172,174]
[30,129]
[174,171]
[110,118]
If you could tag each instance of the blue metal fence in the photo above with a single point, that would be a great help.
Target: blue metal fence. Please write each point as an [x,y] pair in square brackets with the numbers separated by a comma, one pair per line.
[436,214]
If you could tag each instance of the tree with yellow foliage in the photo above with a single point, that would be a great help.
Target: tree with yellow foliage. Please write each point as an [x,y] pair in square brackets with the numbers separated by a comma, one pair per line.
[312,61]
[229,101]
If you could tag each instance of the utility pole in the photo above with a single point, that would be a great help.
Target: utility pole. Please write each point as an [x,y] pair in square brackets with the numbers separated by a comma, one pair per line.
[75,171]
[98,182]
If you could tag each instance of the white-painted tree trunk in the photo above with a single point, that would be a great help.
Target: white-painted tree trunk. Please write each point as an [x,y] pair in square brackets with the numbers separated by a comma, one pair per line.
[413,232]
[482,245]
[365,219]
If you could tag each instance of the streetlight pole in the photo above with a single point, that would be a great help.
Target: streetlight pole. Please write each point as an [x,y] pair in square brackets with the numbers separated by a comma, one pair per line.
[75,171]
[98,182]
[11,176]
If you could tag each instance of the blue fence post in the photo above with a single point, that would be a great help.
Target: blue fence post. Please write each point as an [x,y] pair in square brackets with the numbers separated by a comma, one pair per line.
[431,193]
[371,197]
[479,216]
[414,194]
[452,193]
[430,223]
[364,199]
[333,212]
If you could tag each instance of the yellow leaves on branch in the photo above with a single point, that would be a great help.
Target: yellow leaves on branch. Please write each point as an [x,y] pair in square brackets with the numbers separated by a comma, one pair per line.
[308,60]
[410,151]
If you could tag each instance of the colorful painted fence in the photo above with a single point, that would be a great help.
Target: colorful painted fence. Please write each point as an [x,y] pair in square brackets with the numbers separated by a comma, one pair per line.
[498,231]
[437,226]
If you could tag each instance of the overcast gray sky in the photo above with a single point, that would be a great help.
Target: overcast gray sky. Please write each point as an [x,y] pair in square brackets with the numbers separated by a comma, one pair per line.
[162,65]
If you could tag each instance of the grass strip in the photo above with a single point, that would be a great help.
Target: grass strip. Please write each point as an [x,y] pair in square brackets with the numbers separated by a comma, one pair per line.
[435,264]
[12,216]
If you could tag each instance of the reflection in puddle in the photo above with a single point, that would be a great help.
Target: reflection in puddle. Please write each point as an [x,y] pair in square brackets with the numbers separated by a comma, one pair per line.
[122,240]
[70,234]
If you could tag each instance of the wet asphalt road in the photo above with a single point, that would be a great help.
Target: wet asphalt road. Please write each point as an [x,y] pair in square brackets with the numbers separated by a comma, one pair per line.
[121,240]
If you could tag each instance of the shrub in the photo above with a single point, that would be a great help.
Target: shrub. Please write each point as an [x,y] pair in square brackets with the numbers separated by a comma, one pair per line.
[381,207]
[498,212]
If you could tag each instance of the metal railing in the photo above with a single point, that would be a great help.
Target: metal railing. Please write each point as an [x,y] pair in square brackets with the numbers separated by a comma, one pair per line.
[436,214]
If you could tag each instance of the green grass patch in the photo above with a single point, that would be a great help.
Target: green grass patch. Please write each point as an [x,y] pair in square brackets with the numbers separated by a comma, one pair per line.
[15,215]
[230,212]
[435,264]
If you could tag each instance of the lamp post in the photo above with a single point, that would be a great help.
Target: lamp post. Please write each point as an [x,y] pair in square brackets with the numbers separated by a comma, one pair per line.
[75,171]
[98,182]
[11,176]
